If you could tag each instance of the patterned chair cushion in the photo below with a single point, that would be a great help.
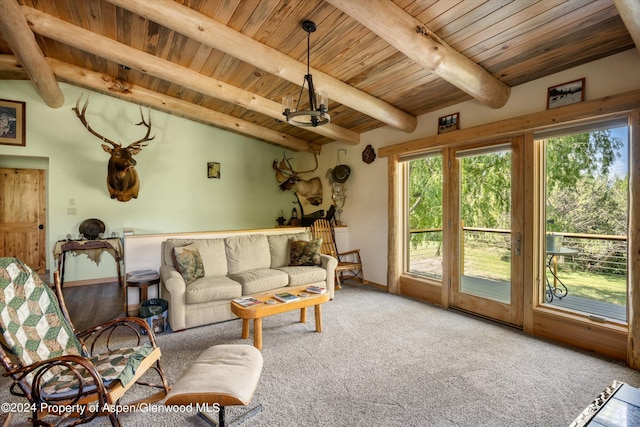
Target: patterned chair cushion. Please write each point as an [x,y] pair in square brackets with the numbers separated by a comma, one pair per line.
[31,321]
[35,329]
[119,364]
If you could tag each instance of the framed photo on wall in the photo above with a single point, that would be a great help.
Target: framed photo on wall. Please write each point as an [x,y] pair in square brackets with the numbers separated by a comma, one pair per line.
[449,123]
[213,170]
[565,94]
[12,122]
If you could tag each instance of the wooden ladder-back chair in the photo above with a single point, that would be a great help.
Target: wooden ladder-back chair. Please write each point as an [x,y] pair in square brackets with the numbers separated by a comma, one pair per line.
[55,367]
[349,262]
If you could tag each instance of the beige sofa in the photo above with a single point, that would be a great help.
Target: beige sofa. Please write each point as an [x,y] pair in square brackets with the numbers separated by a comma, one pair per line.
[233,267]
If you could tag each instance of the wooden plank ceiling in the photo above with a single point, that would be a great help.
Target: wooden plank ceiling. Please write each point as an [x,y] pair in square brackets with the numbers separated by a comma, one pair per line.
[515,41]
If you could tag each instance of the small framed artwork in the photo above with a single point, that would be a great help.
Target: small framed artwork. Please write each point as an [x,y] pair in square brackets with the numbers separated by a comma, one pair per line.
[565,94]
[213,170]
[449,123]
[12,122]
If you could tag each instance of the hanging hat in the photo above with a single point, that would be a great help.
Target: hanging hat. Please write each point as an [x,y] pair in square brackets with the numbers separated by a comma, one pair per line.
[341,173]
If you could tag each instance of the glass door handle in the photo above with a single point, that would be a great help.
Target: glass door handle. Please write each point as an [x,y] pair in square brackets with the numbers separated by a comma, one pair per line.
[517,243]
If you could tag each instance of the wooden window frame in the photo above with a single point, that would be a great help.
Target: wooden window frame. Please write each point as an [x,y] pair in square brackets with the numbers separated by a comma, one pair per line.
[611,339]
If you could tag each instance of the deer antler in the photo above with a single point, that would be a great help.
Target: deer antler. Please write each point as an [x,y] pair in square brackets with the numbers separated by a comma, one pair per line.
[83,119]
[281,176]
[138,143]
[284,170]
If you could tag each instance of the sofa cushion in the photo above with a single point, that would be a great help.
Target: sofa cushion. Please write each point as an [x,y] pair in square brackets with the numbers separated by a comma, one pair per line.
[260,280]
[248,252]
[304,275]
[212,289]
[280,248]
[214,256]
[305,253]
[212,252]
[188,262]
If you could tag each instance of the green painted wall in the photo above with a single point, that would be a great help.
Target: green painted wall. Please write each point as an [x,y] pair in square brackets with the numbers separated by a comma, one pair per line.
[175,193]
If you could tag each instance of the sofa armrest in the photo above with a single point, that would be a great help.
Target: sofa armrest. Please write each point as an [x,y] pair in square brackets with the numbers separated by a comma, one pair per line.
[174,284]
[329,263]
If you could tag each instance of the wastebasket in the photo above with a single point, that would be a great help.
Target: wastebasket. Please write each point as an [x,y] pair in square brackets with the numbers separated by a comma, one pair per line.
[154,312]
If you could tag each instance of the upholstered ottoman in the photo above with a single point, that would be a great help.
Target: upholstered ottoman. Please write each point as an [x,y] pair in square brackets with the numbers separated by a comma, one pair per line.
[222,375]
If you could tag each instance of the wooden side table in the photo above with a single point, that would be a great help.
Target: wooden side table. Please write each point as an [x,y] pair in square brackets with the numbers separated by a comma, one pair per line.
[141,279]
[92,248]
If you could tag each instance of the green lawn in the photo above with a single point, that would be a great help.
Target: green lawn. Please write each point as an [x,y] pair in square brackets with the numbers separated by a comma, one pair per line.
[493,263]
[599,287]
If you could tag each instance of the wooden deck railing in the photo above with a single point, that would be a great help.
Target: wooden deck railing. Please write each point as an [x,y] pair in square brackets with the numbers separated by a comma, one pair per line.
[598,253]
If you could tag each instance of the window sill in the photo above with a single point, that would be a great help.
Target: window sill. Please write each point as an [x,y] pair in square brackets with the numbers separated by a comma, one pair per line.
[579,317]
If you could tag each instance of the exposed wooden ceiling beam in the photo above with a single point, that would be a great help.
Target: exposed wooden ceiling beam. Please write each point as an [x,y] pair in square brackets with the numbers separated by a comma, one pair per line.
[56,29]
[108,85]
[207,31]
[15,31]
[11,63]
[142,96]
[418,43]
[138,95]
[629,11]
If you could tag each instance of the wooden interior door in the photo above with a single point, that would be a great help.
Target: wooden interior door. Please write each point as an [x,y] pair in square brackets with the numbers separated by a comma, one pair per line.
[22,216]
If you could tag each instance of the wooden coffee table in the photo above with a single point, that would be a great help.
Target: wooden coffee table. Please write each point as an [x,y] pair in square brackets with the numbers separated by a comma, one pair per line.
[257,312]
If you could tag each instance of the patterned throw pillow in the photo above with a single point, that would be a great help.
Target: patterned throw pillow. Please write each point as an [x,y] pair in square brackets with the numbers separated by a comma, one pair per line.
[188,262]
[305,253]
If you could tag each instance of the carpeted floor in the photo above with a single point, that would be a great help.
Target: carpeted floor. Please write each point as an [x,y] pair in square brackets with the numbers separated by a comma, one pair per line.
[388,360]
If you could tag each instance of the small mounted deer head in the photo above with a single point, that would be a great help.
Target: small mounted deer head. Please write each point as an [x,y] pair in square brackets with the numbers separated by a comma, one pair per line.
[289,180]
[123,182]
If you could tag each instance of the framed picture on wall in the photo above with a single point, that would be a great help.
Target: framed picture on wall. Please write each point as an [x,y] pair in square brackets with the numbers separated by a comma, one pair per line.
[213,170]
[449,123]
[565,94]
[12,122]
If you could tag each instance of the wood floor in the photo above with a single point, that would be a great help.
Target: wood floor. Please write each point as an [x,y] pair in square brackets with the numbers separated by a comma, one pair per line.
[94,304]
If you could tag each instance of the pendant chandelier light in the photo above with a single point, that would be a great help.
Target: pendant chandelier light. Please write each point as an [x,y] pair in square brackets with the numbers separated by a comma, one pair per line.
[318,107]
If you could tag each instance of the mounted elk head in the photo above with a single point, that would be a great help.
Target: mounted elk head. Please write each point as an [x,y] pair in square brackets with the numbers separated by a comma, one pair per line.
[122,178]
[289,180]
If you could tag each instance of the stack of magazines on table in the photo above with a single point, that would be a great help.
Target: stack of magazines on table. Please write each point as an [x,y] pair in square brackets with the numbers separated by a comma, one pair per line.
[286,297]
[316,289]
[142,275]
[247,301]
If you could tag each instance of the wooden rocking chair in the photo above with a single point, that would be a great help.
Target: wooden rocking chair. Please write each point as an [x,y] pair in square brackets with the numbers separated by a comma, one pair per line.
[348,262]
[69,377]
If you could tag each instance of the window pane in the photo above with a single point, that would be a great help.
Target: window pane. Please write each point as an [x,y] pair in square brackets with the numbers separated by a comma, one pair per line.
[485,215]
[587,176]
[425,216]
